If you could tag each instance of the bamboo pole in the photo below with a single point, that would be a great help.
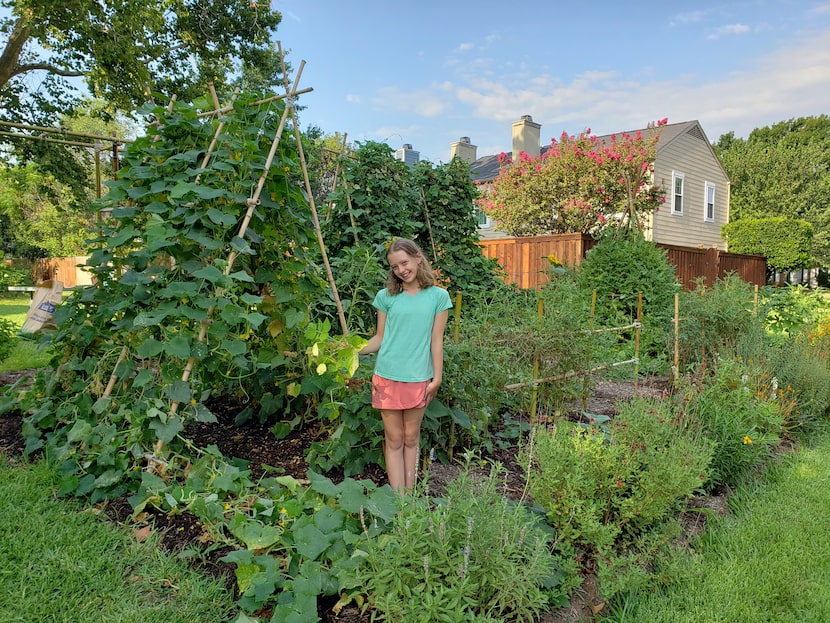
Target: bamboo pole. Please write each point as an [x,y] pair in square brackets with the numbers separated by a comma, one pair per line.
[351,215]
[429,226]
[46,139]
[456,331]
[251,203]
[637,343]
[267,100]
[63,132]
[337,161]
[125,350]
[567,375]
[534,393]
[591,333]
[290,106]
[676,338]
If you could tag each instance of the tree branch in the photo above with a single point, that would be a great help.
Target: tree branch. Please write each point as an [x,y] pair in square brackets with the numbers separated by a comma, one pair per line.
[52,69]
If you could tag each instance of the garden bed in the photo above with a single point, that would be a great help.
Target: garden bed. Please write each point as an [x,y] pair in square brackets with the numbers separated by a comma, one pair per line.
[254,443]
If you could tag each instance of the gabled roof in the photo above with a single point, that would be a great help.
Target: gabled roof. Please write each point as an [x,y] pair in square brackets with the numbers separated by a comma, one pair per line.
[486,168]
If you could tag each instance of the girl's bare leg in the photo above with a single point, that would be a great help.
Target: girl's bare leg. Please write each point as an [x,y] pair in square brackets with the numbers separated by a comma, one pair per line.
[402,436]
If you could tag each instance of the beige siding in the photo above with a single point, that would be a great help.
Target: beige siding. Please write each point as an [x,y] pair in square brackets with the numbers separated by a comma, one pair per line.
[690,155]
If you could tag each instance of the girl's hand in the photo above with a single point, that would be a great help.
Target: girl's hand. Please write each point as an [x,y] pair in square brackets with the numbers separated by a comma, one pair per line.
[432,390]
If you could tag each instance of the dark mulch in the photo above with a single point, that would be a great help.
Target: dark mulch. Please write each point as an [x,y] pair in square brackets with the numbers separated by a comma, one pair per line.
[254,443]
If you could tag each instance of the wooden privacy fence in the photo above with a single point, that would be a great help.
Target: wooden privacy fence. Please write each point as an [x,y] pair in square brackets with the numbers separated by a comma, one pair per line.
[66,270]
[525,260]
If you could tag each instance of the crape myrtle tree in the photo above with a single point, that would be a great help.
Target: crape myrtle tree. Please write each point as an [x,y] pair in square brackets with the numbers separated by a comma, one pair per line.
[581,184]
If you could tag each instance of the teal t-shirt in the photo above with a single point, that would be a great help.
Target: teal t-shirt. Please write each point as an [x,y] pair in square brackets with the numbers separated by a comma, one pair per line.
[405,353]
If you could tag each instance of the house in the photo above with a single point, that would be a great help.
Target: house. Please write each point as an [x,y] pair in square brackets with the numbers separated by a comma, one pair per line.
[685,166]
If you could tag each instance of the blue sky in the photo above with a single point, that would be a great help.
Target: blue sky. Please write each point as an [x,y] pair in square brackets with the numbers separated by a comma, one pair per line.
[429,72]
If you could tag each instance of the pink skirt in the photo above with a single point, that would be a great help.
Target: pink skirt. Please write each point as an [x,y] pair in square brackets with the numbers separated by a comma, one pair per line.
[396,395]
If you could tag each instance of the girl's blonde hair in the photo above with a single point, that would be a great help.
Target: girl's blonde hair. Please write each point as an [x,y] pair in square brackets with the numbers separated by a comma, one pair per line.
[423,275]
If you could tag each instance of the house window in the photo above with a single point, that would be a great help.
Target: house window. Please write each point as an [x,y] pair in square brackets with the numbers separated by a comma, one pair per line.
[709,205]
[482,219]
[677,193]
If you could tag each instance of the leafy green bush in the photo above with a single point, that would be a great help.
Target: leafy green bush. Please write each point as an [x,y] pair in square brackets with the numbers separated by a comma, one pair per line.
[786,242]
[469,556]
[717,321]
[735,403]
[621,268]
[609,489]
[8,337]
[11,275]
[791,309]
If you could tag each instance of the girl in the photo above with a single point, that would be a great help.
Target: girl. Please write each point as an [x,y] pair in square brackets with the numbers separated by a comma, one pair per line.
[412,316]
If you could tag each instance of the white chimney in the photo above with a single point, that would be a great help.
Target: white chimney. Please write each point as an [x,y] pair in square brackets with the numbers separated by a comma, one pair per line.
[464,150]
[526,137]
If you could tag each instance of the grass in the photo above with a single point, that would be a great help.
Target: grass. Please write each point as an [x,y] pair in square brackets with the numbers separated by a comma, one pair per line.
[62,563]
[26,353]
[767,561]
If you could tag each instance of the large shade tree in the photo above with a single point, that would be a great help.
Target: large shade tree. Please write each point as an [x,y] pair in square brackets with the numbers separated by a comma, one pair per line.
[783,170]
[123,50]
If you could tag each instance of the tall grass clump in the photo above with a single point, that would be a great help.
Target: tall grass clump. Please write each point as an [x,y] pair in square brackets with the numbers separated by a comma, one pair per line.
[471,555]
[798,354]
[613,491]
[736,403]
[719,321]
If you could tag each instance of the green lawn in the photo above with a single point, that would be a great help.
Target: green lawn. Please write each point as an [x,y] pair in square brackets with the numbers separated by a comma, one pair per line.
[27,353]
[768,561]
[63,563]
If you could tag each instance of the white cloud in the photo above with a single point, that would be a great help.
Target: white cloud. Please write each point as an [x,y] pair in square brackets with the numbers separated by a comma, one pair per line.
[424,102]
[730,29]
[464,47]
[691,17]
[789,82]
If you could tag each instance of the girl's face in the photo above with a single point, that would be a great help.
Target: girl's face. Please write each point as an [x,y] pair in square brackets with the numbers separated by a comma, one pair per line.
[404,266]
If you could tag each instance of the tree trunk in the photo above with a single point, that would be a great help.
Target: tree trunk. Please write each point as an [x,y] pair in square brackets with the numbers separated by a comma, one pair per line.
[10,59]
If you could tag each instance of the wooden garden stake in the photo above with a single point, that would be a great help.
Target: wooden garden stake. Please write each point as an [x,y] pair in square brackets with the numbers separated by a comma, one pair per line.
[676,338]
[289,105]
[585,380]
[637,343]
[534,393]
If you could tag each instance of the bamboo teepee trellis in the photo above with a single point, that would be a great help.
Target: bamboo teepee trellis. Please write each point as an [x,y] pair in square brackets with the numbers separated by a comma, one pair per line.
[291,92]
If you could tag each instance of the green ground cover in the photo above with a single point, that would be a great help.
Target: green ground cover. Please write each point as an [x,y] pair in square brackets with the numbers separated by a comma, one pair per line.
[26,353]
[63,563]
[768,560]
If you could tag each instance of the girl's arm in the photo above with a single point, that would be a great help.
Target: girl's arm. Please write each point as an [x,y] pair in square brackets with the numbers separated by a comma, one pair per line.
[373,345]
[437,350]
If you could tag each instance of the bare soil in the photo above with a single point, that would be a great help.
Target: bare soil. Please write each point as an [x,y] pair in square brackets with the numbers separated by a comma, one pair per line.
[254,443]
